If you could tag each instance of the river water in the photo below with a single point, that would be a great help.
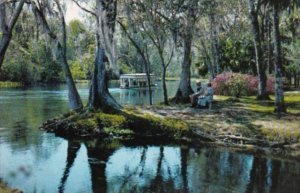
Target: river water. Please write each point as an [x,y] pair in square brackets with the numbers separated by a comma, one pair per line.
[38,162]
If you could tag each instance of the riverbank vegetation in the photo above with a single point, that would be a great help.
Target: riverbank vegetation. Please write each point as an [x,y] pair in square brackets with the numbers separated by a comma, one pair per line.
[8,84]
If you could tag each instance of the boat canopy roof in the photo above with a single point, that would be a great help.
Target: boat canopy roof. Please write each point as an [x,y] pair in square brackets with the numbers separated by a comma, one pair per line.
[137,75]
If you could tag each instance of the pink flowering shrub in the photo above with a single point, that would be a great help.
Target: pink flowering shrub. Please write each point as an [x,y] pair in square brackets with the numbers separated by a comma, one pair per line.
[236,84]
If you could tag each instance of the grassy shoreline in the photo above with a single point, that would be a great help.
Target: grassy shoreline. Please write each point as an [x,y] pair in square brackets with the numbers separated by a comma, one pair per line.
[240,123]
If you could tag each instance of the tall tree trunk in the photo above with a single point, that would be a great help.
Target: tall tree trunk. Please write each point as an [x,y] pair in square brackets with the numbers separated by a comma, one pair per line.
[99,94]
[74,98]
[7,29]
[208,61]
[262,78]
[147,65]
[3,47]
[166,100]
[213,42]
[185,88]
[270,47]
[279,96]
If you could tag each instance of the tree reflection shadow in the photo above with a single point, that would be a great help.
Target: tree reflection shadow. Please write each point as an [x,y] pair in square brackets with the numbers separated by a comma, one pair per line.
[118,167]
[73,148]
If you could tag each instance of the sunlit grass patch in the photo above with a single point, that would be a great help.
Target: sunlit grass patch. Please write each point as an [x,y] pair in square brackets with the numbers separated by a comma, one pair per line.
[280,130]
[221,98]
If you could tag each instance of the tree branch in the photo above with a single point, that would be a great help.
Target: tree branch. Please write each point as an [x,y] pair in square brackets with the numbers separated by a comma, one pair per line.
[44,22]
[15,16]
[85,9]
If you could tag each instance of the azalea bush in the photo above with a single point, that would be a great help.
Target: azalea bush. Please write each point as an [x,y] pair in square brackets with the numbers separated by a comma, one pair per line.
[237,85]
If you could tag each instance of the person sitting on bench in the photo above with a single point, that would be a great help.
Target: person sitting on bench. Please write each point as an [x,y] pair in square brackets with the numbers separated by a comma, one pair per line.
[194,97]
[207,98]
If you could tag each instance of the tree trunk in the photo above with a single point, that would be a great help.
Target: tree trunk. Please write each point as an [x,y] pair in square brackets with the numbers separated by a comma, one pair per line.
[270,47]
[7,29]
[149,84]
[185,88]
[213,42]
[74,98]
[145,57]
[166,100]
[3,47]
[279,96]
[208,61]
[262,78]
[100,97]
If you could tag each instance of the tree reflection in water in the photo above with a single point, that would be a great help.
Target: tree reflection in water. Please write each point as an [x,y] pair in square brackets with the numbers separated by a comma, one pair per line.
[73,148]
[115,167]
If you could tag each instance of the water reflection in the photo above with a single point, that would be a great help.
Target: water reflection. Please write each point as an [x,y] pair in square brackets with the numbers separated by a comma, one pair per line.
[116,167]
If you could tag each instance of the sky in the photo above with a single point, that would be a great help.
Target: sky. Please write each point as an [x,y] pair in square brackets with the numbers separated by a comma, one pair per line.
[73,12]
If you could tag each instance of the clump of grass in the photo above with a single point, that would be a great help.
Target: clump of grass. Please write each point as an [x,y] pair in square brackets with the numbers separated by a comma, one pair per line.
[110,120]
[89,124]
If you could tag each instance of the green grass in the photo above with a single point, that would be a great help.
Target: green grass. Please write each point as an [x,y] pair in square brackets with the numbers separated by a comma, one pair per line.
[259,117]
[10,84]
[244,116]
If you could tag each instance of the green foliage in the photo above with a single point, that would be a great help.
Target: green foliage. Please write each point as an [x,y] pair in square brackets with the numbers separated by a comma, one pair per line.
[294,57]
[237,56]
[16,71]
[77,70]
[76,27]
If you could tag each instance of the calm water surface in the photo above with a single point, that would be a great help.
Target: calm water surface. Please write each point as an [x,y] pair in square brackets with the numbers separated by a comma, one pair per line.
[38,162]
